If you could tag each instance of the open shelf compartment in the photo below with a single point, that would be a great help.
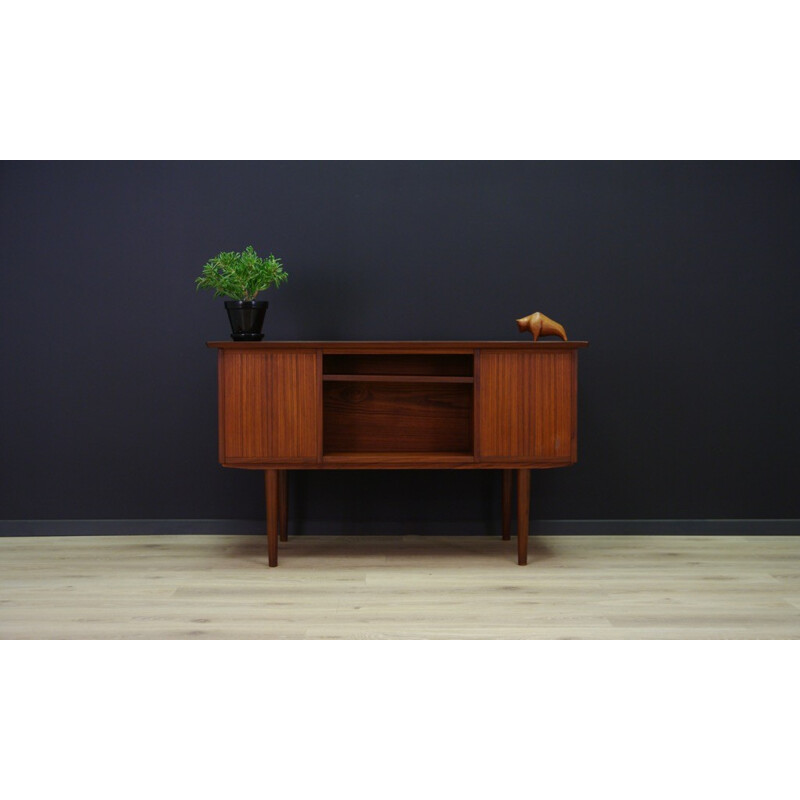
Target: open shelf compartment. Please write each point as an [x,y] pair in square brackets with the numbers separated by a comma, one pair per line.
[397,404]
[397,417]
[416,365]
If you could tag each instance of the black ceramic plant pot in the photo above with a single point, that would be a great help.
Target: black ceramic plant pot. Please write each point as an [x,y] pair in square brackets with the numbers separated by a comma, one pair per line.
[247,319]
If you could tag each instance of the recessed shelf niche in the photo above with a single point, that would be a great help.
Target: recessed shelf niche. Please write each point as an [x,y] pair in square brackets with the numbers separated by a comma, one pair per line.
[397,404]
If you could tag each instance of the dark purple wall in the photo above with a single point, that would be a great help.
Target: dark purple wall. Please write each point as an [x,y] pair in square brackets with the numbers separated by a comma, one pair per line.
[685,277]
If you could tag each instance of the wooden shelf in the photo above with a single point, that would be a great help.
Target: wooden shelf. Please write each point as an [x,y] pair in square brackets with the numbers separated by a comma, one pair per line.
[402,378]
[445,458]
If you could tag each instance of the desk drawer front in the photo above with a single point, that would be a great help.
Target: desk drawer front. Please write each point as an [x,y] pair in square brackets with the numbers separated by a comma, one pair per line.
[268,406]
[526,406]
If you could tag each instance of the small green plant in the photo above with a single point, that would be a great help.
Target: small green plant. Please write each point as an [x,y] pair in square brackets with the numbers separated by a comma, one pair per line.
[241,276]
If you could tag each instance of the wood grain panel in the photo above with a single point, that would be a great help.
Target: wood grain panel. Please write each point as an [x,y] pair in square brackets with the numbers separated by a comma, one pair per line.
[269,406]
[397,417]
[392,377]
[526,405]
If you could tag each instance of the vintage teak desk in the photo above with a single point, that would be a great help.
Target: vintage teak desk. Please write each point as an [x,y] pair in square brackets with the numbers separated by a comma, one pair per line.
[509,406]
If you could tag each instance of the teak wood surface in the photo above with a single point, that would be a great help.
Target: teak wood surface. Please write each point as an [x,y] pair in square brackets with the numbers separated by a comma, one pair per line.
[398,347]
[397,405]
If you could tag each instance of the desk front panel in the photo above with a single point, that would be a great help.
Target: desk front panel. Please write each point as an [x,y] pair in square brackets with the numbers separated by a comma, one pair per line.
[526,406]
[269,407]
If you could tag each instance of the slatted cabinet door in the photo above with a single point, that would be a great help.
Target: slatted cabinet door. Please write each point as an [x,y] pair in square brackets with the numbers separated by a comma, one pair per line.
[269,406]
[526,406]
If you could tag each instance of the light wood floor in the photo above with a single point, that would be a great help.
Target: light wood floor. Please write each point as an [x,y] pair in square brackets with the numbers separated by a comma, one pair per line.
[412,587]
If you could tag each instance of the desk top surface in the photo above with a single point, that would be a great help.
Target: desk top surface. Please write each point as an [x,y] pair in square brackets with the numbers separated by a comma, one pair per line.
[426,346]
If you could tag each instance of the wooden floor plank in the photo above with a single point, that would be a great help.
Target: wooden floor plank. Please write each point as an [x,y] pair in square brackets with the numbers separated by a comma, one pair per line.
[404,587]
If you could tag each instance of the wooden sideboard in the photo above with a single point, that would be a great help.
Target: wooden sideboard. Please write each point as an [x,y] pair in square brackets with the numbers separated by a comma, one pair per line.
[508,406]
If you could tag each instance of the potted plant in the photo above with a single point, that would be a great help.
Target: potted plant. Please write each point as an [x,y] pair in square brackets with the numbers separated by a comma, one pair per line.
[242,276]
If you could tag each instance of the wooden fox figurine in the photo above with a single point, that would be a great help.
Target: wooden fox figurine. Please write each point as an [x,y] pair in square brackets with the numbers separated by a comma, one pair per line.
[540,325]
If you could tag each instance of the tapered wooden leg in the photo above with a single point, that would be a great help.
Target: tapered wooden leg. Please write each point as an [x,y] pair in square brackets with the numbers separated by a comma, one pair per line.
[523,509]
[283,520]
[508,475]
[273,514]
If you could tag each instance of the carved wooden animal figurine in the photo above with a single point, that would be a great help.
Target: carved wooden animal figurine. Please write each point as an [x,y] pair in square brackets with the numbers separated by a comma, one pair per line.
[540,325]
